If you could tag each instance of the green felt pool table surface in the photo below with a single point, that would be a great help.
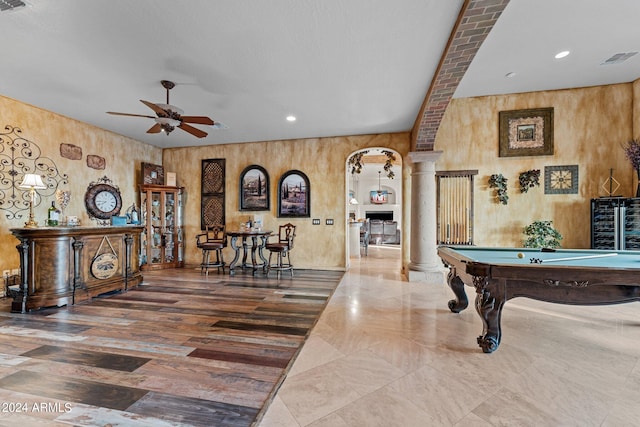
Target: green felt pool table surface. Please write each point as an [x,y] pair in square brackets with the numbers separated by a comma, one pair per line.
[583,257]
[563,276]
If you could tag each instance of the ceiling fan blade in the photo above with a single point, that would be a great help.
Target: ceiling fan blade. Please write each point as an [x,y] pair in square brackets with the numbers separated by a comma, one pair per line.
[201,120]
[127,114]
[159,111]
[155,128]
[193,131]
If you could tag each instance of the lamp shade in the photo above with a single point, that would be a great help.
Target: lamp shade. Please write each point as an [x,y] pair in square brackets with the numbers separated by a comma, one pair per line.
[32,180]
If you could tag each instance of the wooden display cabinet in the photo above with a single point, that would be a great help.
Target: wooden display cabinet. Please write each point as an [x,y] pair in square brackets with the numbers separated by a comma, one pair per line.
[162,240]
[66,265]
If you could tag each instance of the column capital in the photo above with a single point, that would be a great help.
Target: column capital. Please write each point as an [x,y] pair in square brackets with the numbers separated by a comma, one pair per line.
[424,156]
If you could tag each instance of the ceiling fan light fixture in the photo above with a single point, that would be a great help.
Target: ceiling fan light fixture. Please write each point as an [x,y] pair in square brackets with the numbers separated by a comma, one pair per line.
[166,128]
[171,108]
[168,121]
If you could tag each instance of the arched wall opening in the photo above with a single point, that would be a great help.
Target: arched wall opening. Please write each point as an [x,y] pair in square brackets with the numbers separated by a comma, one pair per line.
[374,183]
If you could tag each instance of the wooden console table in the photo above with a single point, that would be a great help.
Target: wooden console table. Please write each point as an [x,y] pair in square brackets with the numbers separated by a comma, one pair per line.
[66,265]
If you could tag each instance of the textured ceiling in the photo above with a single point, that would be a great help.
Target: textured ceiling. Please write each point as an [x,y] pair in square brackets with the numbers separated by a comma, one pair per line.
[341,67]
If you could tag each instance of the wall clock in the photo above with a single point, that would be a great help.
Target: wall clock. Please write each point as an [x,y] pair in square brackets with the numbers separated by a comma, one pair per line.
[561,179]
[103,200]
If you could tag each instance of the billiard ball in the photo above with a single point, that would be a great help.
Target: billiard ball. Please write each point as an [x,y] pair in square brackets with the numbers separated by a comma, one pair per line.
[520,255]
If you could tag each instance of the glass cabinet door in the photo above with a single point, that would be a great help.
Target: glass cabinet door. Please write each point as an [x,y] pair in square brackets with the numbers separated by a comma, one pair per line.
[161,241]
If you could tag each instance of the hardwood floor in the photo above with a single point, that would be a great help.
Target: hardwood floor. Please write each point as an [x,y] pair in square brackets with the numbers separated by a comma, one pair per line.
[182,349]
[189,350]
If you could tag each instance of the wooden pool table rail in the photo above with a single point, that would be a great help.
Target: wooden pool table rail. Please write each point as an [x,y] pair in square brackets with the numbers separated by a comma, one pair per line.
[495,284]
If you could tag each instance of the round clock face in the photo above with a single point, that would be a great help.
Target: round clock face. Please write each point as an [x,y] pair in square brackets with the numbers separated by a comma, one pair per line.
[103,201]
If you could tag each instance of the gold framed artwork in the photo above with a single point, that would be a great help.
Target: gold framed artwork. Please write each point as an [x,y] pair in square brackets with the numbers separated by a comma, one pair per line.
[526,132]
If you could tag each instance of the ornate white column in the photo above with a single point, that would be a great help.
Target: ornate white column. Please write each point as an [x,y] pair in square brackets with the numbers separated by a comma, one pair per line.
[424,265]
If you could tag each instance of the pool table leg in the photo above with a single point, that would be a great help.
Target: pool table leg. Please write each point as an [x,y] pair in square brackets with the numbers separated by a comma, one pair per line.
[489,305]
[457,286]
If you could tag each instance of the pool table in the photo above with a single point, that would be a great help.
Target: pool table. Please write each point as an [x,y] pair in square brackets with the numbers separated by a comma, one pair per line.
[564,276]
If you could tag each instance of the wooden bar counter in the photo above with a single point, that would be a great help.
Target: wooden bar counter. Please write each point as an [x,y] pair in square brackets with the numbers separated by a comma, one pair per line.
[66,265]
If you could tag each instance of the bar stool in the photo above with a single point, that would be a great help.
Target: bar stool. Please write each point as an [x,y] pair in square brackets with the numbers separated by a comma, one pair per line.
[282,249]
[213,239]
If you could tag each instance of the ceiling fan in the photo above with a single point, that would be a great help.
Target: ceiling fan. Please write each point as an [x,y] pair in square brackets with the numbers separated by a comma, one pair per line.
[168,117]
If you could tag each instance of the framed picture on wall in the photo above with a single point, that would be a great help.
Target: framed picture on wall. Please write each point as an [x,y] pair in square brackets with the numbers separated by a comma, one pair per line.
[526,132]
[254,189]
[561,179]
[152,174]
[294,195]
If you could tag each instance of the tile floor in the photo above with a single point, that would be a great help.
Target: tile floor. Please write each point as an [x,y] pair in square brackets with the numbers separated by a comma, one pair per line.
[387,352]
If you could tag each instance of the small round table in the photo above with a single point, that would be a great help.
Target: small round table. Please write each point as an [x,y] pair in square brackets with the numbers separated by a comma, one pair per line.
[255,247]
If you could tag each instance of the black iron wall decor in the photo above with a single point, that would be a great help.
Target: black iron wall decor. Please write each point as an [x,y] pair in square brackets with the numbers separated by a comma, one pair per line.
[212,195]
[19,156]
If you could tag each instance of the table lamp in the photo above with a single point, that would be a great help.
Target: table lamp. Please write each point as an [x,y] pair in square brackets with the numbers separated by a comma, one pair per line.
[32,182]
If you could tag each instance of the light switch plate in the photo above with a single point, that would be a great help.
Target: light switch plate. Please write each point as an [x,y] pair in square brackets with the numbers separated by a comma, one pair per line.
[329,221]
[316,221]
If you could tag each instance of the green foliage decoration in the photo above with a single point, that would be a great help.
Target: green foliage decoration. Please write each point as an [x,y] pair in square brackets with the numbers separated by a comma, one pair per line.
[541,234]
[356,163]
[529,179]
[499,182]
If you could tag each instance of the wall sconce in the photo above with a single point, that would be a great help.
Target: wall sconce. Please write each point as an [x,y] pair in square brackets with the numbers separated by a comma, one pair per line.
[32,182]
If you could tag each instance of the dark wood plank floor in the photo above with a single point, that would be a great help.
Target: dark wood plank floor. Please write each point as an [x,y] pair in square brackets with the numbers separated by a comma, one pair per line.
[182,349]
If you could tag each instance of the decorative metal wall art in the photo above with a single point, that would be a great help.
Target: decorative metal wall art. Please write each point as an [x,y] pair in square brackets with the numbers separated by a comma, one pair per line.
[19,156]
[212,196]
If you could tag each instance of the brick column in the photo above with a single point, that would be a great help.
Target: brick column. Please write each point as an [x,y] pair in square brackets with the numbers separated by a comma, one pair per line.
[424,265]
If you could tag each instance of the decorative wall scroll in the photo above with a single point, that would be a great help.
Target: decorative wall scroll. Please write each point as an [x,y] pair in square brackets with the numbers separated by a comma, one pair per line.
[526,132]
[294,195]
[19,156]
[96,162]
[254,189]
[70,151]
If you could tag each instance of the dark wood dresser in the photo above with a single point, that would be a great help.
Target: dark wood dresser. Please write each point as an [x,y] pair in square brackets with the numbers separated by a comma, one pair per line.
[66,265]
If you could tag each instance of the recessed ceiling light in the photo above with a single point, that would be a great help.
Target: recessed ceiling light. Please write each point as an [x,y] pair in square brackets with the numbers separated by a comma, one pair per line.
[291,118]
[510,74]
[562,54]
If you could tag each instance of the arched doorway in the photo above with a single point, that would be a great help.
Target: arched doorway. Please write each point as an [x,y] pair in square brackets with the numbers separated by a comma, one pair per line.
[374,200]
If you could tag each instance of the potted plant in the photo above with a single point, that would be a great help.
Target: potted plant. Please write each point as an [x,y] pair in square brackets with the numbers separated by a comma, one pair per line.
[541,234]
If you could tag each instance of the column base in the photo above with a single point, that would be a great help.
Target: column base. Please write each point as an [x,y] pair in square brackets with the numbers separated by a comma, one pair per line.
[436,276]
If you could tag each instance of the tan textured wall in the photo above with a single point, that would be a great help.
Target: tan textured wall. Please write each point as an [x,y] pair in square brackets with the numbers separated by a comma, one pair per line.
[48,130]
[323,160]
[590,126]
[636,109]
